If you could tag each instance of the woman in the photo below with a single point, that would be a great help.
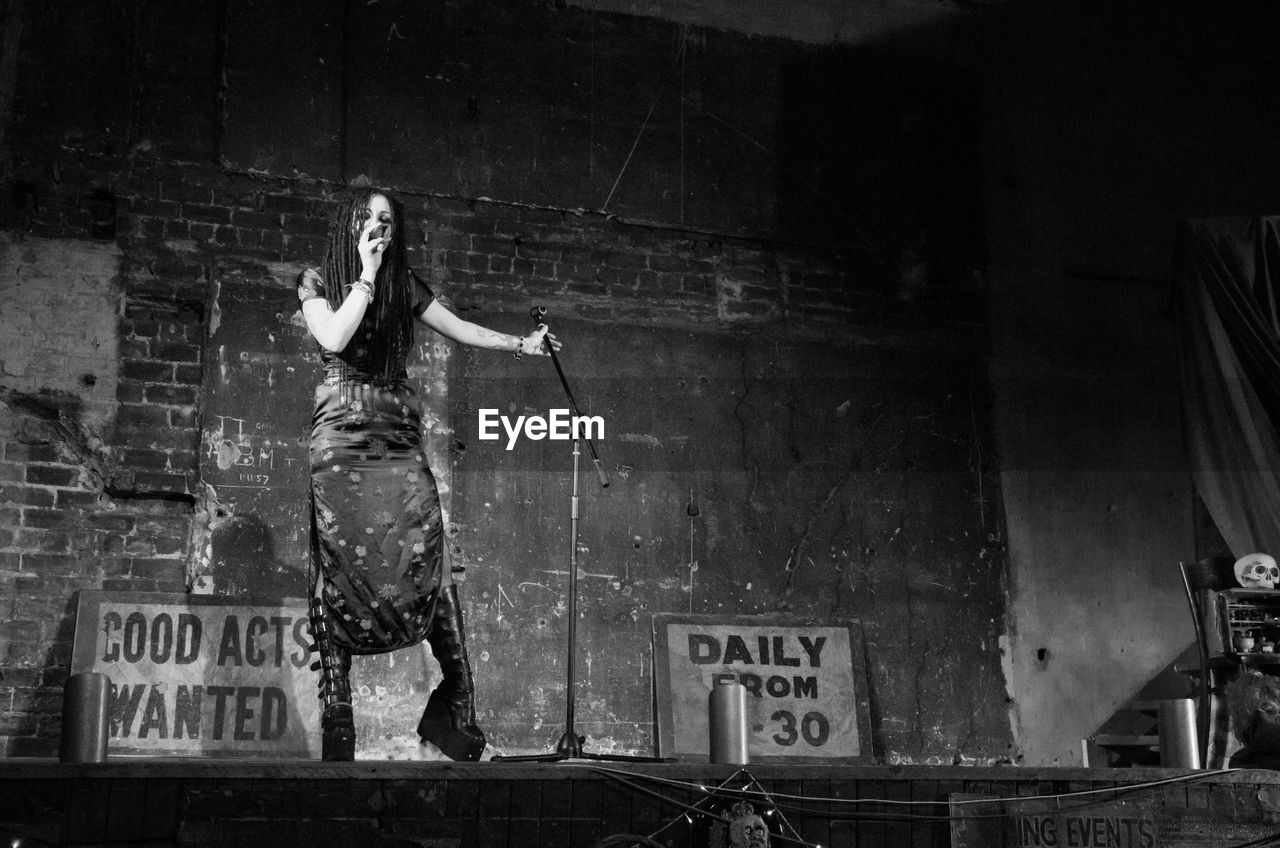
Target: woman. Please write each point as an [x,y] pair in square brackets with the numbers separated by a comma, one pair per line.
[376,530]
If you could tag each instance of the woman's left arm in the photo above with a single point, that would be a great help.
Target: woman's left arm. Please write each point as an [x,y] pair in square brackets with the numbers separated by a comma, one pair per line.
[439,318]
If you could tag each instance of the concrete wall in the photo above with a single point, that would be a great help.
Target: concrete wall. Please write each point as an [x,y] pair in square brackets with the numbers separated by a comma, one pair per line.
[1097,501]
[1103,125]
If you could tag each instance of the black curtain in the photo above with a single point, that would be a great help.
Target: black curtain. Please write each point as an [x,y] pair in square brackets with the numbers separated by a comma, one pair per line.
[1226,272]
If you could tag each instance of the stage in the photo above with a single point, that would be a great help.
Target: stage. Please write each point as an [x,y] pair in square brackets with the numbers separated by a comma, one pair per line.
[187,802]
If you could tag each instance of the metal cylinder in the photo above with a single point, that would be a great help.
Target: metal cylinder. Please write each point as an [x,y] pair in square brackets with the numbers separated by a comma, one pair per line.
[85,702]
[1179,746]
[727,717]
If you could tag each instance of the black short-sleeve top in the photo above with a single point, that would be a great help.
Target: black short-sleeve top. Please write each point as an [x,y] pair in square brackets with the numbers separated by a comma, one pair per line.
[356,355]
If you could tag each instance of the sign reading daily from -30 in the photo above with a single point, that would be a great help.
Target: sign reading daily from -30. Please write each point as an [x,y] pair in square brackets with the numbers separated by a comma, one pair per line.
[201,675]
[805,689]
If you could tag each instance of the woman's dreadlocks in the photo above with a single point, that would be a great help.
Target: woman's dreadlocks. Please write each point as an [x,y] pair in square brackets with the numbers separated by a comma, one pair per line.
[388,318]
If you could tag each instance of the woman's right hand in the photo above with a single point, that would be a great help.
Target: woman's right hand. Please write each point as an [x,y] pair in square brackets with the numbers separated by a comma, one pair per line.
[372,245]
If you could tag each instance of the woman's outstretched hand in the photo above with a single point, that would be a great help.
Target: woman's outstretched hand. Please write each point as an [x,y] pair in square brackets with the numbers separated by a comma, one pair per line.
[533,343]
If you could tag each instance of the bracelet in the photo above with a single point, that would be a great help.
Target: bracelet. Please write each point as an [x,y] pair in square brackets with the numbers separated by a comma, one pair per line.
[519,352]
[364,286]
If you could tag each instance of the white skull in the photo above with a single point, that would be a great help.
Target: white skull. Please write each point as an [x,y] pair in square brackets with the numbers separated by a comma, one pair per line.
[1257,571]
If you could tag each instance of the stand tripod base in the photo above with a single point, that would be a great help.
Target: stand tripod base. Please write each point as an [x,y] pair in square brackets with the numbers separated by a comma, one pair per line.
[570,748]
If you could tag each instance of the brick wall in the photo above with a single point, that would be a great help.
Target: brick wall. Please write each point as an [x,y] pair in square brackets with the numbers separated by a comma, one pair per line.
[599,268]
[106,493]
[101,486]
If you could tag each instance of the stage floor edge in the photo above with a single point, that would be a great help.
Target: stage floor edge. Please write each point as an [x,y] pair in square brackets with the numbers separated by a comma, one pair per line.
[575,804]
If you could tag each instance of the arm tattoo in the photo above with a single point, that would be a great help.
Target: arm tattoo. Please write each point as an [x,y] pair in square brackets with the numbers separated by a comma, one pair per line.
[502,338]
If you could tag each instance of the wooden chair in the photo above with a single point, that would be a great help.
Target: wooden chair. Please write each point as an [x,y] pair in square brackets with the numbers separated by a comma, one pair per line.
[1202,581]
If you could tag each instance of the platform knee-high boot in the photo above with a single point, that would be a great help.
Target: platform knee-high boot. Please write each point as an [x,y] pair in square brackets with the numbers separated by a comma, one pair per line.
[337,725]
[449,721]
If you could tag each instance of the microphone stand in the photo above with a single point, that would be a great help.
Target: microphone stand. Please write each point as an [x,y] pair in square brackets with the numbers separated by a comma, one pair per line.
[570,745]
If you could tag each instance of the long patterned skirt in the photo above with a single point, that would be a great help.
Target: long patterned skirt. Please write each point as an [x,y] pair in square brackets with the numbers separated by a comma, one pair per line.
[376,529]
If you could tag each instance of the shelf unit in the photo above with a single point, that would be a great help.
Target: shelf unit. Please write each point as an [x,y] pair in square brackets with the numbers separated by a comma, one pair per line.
[1249,624]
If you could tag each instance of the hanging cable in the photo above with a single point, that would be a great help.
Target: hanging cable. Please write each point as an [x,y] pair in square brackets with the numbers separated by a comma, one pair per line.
[1132,787]
[662,84]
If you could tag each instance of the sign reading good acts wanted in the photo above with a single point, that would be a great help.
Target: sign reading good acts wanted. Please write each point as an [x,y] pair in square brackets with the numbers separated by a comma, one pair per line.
[805,684]
[201,675]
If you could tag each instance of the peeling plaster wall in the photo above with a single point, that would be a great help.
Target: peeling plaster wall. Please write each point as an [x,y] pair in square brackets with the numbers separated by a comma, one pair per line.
[69,440]
[59,307]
